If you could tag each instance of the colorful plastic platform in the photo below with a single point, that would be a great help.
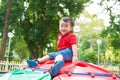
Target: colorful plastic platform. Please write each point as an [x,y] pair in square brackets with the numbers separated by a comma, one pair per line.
[79,71]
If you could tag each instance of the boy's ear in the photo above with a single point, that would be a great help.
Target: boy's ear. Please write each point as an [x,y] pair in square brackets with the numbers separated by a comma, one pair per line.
[71,29]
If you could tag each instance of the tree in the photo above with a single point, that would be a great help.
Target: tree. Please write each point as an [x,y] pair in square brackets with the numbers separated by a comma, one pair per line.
[113,30]
[37,21]
[90,28]
[4,38]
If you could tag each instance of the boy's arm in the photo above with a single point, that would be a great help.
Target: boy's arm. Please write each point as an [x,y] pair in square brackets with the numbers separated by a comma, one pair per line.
[75,53]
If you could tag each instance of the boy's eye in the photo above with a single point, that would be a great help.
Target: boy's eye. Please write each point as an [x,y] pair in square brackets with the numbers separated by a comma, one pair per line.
[61,26]
[66,26]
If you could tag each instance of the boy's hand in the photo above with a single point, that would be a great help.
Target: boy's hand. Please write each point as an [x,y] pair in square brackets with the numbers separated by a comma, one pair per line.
[75,59]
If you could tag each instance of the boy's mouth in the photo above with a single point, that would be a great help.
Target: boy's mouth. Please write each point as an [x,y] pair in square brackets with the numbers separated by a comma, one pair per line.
[63,30]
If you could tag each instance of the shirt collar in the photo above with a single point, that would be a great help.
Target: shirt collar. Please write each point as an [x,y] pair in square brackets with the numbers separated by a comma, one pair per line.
[65,34]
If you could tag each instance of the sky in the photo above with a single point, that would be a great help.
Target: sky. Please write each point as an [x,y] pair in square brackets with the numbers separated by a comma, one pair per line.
[100,11]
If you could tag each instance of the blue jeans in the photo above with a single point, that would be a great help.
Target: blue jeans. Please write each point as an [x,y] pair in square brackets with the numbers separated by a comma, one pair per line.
[66,53]
[67,56]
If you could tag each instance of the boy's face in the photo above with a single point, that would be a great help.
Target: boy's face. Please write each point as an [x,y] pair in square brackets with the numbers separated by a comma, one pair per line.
[65,27]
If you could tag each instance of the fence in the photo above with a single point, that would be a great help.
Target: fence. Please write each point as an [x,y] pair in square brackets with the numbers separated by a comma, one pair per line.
[9,66]
[114,69]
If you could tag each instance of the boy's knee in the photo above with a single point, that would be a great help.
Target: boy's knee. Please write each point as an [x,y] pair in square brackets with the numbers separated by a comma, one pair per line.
[58,57]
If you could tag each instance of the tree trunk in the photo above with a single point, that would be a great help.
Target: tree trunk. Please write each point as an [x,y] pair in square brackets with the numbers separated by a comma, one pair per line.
[4,37]
[32,49]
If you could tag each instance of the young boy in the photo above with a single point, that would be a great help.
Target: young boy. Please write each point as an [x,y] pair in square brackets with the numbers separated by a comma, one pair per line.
[67,47]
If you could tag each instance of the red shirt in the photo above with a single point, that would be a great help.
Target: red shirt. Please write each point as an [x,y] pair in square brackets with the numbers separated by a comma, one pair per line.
[66,41]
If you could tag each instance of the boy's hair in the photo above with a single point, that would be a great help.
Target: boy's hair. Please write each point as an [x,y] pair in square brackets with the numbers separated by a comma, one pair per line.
[68,19]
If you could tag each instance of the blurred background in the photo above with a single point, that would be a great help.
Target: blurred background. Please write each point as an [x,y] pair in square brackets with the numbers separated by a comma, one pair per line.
[28,29]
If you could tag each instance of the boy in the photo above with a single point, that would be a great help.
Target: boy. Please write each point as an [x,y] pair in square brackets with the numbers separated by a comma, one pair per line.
[67,47]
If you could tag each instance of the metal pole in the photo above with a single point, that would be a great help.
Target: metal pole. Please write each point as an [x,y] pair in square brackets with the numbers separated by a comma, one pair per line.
[7,61]
[98,43]
[8,49]
[98,54]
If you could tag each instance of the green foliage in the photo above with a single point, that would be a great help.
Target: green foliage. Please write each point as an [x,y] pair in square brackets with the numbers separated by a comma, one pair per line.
[90,29]
[21,51]
[38,22]
[89,55]
[113,31]
[41,19]
[2,13]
